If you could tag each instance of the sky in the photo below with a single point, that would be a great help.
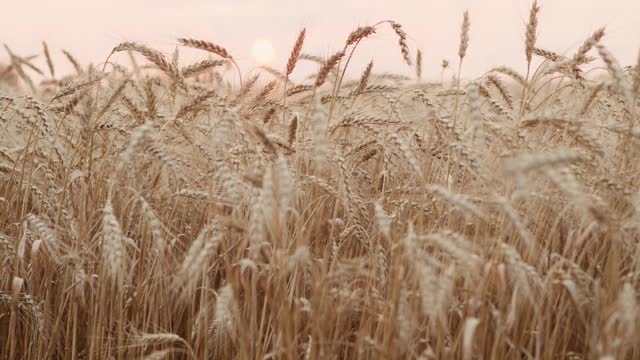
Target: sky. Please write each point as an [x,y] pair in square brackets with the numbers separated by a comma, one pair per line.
[90,29]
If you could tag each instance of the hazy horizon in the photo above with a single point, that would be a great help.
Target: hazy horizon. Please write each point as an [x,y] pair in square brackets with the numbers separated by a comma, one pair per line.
[90,30]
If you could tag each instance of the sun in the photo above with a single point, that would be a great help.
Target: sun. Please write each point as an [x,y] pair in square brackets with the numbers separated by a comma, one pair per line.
[263,51]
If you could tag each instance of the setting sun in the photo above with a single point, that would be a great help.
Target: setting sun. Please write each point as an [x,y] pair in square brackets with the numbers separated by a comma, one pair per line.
[263,51]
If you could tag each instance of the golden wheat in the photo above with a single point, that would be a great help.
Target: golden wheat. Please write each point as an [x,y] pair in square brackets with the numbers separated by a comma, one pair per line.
[164,214]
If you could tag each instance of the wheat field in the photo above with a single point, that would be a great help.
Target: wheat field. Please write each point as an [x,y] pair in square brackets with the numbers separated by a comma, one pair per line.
[151,209]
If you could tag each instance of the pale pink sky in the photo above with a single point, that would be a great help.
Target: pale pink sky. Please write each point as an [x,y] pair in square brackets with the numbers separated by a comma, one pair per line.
[89,29]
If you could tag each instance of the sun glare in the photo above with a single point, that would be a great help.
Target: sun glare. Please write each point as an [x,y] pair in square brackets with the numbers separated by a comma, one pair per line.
[263,51]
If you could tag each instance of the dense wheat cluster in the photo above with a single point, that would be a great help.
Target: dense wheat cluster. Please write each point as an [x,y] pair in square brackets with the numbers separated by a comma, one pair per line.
[151,210]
